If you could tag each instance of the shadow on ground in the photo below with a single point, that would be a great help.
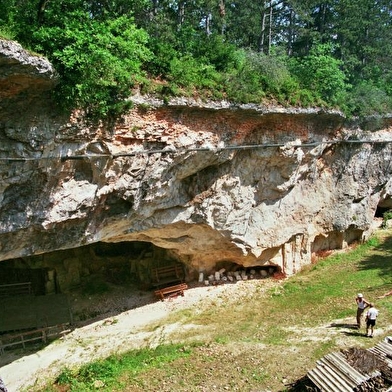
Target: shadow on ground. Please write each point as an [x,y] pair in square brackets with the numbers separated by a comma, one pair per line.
[85,310]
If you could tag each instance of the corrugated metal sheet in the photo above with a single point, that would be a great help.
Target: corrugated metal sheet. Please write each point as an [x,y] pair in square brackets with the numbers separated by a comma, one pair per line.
[334,374]
[384,351]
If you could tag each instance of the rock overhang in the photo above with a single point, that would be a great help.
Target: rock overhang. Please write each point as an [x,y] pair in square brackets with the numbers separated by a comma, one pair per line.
[206,181]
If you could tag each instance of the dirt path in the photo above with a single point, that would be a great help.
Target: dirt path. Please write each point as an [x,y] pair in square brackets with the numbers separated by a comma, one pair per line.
[122,332]
[130,330]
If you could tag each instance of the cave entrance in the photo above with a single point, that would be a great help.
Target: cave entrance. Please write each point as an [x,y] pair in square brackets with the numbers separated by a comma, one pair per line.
[25,305]
[384,210]
[323,244]
[92,267]
[380,211]
[56,280]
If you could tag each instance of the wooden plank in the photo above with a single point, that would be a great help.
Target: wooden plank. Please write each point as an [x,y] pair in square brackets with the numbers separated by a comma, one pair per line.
[176,289]
[326,380]
[334,374]
[174,270]
[338,376]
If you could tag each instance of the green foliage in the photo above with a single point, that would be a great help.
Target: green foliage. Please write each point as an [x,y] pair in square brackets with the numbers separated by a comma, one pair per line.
[99,61]
[65,377]
[258,76]
[102,50]
[320,73]
[188,72]
[387,216]
[245,83]
[7,23]
[373,241]
[6,33]
[164,53]
[367,99]
[112,370]
[214,51]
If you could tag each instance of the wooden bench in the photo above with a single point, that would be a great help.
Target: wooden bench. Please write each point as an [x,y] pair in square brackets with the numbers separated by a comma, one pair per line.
[167,275]
[171,291]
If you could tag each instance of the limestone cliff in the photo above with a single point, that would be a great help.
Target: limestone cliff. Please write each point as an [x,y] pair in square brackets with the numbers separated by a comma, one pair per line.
[209,182]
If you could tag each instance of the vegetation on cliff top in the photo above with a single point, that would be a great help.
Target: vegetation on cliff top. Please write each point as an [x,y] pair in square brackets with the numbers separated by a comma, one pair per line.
[334,54]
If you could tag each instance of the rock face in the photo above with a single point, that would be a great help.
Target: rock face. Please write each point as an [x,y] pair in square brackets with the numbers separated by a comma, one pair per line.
[210,183]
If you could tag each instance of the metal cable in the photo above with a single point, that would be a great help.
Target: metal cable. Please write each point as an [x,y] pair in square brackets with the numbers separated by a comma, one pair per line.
[174,150]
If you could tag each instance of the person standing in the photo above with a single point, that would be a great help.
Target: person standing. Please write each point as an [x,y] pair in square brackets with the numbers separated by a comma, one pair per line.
[362,304]
[371,317]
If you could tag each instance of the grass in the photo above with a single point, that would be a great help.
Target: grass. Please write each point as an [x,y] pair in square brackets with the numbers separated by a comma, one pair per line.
[115,371]
[263,340]
[6,34]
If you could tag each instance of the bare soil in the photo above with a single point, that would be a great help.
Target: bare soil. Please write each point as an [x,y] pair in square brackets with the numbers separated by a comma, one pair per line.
[104,324]
[129,319]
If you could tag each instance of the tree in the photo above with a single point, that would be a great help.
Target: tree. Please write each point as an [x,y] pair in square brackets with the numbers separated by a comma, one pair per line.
[321,73]
[99,60]
[102,48]
[364,34]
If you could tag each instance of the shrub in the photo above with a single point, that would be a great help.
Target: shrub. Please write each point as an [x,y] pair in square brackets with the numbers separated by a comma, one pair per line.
[99,61]
[257,76]
[367,99]
[320,73]
[188,72]
[164,53]
[385,218]
[213,50]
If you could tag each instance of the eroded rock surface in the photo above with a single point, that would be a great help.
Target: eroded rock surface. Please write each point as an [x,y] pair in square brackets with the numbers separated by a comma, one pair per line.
[209,182]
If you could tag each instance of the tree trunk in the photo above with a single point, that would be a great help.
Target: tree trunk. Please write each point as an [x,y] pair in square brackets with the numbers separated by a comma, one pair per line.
[262,33]
[222,14]
[181,13]
[41,10]
[270,29]
[208,23]
[290,33]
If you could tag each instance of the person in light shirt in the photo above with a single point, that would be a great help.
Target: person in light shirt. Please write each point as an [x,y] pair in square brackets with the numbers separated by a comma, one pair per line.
[371,317]
[362,304]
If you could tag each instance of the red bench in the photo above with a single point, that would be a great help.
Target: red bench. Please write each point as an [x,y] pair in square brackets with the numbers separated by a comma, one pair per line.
[177,289]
